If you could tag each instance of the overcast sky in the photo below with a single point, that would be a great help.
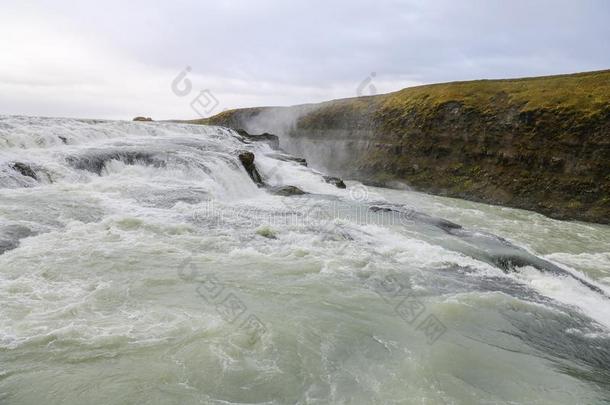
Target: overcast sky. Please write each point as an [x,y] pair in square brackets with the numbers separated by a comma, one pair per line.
[118,59]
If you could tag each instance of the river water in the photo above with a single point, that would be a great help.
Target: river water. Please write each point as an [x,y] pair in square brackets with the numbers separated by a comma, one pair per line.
[139,263]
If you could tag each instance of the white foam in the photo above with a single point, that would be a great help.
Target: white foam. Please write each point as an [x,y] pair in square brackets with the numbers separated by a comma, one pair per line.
[569,291]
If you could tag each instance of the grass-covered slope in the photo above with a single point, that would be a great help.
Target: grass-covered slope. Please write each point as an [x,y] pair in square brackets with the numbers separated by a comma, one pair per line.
[536,143]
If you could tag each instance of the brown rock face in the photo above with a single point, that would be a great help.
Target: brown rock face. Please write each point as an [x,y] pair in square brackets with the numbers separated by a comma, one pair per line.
[142,119]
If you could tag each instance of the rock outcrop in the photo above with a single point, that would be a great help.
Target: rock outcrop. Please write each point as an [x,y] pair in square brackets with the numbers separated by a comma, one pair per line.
[541,144]
[142,119]
[286,190]
[24,169]
[272,140]
[247,160]
[289,158]
[95,160]
[335,181]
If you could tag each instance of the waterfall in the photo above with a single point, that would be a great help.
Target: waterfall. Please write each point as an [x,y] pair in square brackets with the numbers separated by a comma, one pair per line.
[121,244]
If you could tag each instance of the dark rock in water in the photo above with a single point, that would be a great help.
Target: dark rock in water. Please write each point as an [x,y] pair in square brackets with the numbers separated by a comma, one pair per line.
[94,161]
[24,169]
[406,214]
[63,139]
[334,181]
[445,225]
[508,257]
[376,208]
[286,190]
[518,257]
[510,263]
[288,158]
[271,140]
[300,161]
[10,236]
[247,159]
[142,118]
[487,247]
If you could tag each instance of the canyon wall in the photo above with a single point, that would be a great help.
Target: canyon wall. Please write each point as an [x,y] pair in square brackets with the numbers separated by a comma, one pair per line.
[541,144]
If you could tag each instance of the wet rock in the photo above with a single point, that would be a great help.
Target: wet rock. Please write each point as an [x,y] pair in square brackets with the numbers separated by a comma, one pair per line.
[24,169]
[272,140]
[445,225]
[142,118]
[334,181]
[95,161]
[376,208]
[63,139]
[509,263]
[286,190]
[288,158]
[247,160]
[508,257]
[406,214]
[10,235]
[487,247]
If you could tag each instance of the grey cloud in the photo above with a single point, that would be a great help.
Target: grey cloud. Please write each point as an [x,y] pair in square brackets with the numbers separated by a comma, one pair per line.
[335,44]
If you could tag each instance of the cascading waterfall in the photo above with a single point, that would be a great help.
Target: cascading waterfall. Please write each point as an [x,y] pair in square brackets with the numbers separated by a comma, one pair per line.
[139,262]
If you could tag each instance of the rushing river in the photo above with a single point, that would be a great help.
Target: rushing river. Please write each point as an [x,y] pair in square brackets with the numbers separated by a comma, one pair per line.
[140,264]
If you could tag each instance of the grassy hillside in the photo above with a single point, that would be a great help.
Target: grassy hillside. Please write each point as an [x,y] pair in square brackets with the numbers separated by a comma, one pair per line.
[538,143]
[584,93]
